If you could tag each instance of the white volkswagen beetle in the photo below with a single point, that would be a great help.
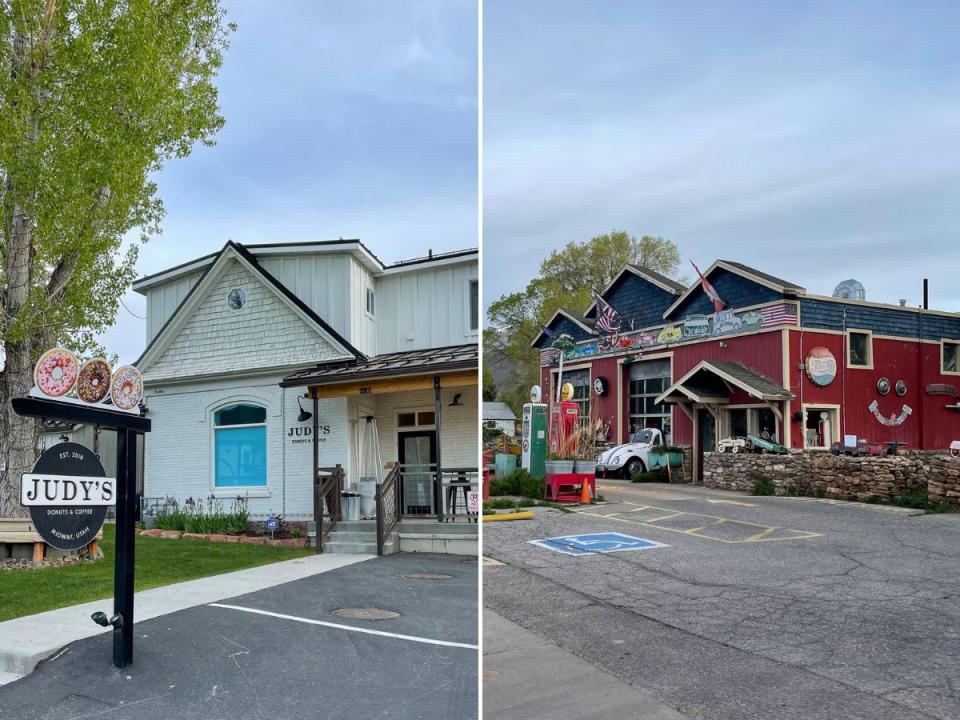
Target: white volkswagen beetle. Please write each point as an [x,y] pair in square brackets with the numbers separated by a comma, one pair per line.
[630,458]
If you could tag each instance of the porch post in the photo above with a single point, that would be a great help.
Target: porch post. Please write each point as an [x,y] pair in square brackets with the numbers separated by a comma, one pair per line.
[438,478]
[317,502]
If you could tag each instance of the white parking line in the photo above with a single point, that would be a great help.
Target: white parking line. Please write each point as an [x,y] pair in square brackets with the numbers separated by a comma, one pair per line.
[309,621]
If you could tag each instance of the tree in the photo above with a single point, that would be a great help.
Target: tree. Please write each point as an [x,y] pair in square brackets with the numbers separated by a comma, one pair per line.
[567,279]
[95,96]
[489,385]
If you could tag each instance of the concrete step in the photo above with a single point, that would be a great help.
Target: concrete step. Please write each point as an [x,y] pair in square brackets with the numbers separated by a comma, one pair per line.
[348,536]
[431,527]
[446,543]
[349,525]
[352,548]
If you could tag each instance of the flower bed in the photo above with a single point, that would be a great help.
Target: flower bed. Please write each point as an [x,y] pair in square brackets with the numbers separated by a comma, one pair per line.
[222,537]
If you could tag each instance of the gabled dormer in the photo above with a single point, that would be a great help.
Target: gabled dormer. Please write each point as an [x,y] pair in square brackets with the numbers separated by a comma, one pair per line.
[640,295]
[738,285]
[568,323]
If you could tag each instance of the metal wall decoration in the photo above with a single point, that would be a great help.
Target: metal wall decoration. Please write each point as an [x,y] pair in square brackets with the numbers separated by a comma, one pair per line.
[883,386]
[941,389]
[894,420]
[600,386]
[821,366]
[901,387]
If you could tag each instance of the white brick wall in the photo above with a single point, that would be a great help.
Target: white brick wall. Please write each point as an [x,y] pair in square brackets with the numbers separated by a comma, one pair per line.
[179,450]
[265,333]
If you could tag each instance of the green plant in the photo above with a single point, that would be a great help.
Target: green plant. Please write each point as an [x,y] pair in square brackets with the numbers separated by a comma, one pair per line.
[647,476]
[764,486]
[791,490]
[500,503]
[519,482]
[820,492]
[295,533]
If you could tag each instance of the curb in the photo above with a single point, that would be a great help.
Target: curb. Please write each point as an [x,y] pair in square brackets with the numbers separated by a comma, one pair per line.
[523,515]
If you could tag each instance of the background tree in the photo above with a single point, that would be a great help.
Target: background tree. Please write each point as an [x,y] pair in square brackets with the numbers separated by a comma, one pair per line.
[489,386]
[95,95]
[566,280]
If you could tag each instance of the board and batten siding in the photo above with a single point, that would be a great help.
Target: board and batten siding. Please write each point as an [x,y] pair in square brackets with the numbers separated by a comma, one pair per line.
[265,333]
[163,300]
[425,308]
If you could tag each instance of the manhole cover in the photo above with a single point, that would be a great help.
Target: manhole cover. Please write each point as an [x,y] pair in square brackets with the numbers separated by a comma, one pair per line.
[426,576]
[365,613]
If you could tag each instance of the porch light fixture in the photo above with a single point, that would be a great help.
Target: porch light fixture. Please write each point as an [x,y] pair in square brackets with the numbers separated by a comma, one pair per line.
[304,414]
[456,401]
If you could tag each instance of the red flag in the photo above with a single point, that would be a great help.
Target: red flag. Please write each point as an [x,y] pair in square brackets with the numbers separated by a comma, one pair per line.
[718,304]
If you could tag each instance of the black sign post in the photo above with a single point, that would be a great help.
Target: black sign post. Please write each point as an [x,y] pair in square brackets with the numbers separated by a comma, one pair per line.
[127,426]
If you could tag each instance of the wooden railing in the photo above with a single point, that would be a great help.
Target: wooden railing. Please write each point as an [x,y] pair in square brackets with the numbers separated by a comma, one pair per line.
[327,486]
[388,506]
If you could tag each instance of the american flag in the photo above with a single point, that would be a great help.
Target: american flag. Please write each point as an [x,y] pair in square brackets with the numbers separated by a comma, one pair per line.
[718,303]
[608,319]
[548,356]
[778,315]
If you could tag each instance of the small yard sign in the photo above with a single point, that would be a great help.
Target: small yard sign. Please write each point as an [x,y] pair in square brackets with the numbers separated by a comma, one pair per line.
[68,495]
[594,543]
[473,502]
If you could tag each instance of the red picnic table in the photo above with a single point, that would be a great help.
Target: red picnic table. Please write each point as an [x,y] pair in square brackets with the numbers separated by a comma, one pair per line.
[559,487]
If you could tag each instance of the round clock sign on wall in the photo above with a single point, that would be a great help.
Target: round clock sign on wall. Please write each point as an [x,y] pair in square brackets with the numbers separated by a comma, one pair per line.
[821,366]
[600,386]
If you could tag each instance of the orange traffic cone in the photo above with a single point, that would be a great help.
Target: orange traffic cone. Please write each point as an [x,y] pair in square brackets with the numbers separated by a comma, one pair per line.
[585,492]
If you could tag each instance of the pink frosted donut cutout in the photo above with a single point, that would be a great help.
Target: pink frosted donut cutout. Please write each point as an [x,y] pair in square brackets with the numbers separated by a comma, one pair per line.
[55,373]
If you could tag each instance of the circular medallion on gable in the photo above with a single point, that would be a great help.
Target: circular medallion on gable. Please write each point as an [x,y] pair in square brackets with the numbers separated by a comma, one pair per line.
[236,299]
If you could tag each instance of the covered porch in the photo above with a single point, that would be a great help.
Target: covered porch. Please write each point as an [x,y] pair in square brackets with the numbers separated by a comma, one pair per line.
[723,399]
[411,433]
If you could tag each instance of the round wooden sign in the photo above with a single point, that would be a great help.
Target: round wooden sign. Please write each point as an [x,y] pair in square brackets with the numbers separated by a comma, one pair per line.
[75,520]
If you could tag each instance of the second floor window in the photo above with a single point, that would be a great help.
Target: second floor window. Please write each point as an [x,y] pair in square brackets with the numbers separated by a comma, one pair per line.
[371,302]
[859,349]
[474,304]
[950,362]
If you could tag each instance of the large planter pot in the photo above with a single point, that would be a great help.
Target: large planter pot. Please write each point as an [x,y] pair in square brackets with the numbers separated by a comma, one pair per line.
[559,467]
[676,459]
[585,467]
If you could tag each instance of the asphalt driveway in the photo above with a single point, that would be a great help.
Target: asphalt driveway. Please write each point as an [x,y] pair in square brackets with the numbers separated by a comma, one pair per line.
[756,608]
[281,653]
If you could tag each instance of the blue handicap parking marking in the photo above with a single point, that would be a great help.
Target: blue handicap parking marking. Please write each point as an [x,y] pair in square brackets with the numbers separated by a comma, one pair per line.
[594,543]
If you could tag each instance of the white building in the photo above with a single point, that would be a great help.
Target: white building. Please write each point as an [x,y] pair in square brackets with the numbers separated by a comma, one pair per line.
[499,415]
[244,344]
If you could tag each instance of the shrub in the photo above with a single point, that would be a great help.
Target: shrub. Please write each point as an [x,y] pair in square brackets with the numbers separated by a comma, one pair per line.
[764,486]
[648,476]
[820,492]
[500,503]
[519,482]
[295,533]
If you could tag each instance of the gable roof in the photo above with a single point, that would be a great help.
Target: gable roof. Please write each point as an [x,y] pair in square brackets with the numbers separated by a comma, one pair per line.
[730,373]
[233,250]
[498,411]
[580,320]
[645,273]
[745,271]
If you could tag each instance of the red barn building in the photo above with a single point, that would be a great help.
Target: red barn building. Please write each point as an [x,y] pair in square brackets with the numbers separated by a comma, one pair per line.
[809,370]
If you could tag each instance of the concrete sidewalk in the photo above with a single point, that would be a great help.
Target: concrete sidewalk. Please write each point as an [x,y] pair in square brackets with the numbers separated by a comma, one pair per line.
[27,640]
[528,678]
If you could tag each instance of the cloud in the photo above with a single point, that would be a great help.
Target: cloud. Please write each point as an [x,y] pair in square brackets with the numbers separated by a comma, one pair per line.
[817,142]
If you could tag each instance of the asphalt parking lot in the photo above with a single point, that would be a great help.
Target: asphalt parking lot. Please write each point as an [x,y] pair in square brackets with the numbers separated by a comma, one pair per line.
[281,653]
[757,607]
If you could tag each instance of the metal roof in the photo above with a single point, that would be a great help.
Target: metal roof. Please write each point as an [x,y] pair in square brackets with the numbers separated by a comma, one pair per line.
[410,362]
[498,411]
[724,373]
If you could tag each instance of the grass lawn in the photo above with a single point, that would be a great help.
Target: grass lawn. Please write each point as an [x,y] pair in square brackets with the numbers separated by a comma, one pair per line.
[158,562]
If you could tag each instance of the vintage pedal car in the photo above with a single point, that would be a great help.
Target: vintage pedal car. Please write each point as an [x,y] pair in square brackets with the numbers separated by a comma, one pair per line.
[732,444]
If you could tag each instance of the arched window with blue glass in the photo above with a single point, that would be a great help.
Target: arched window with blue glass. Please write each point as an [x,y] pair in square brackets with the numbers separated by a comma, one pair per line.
[240,446]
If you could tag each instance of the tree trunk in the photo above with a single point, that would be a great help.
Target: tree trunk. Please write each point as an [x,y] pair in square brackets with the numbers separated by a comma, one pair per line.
[17,434]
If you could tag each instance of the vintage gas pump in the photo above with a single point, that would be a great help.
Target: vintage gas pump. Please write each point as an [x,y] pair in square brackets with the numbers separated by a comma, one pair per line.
[533,448]
[564,421]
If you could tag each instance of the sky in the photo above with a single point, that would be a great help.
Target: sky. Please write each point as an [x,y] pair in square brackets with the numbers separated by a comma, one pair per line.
[343,119]
[817,141]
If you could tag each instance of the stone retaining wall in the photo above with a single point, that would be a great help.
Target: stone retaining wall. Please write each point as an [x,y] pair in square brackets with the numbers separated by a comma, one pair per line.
[839,476]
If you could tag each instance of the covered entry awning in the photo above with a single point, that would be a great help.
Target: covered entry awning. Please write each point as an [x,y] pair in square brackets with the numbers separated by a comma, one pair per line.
[392,372]
[712,382]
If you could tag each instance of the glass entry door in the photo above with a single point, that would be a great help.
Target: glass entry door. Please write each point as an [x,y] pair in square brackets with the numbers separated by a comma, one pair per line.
[418,455]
